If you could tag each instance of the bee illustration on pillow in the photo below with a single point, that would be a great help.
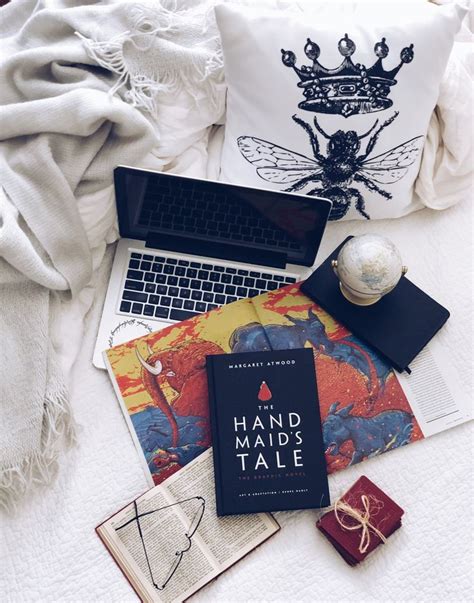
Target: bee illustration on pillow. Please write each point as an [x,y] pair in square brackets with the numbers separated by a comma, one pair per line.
[335,172]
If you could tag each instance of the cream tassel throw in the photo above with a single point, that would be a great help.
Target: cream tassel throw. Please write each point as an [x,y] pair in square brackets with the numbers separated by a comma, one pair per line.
[80,93]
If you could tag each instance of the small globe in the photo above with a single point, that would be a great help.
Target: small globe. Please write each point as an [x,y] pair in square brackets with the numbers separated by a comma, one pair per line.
[368,266]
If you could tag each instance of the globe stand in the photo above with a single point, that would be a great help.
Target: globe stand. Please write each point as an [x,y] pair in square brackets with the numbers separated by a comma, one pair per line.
[359,301]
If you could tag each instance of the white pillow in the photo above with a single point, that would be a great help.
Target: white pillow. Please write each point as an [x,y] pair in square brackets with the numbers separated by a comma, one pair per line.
[334,102]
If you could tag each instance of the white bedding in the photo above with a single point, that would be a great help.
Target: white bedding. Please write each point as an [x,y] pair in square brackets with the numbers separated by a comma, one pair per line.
[50,552]
[53,554]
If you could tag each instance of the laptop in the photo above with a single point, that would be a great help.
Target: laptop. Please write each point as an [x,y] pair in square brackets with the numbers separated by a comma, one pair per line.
[188,246]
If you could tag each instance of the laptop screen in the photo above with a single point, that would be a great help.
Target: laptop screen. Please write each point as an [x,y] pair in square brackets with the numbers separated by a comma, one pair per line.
[157,204]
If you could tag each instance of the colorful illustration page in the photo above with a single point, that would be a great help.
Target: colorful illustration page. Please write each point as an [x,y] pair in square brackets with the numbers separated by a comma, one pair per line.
[162,381]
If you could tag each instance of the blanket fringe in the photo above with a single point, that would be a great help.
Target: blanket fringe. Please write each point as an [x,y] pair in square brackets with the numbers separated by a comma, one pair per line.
[202,74]
[40,468]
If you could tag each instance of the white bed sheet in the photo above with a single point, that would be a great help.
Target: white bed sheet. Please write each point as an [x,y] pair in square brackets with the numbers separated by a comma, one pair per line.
[53,553]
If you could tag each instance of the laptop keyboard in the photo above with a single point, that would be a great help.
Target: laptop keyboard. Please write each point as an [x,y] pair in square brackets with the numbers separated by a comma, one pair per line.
[168,288]
[185,208]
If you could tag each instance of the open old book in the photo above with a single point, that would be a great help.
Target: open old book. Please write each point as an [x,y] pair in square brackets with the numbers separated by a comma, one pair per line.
[169,542]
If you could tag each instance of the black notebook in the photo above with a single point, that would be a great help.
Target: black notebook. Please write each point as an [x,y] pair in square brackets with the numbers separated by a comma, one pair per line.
[266,432]
[398,326]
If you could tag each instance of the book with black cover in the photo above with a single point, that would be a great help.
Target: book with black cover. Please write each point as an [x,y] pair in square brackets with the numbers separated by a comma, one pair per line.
[398,326]
[266,432]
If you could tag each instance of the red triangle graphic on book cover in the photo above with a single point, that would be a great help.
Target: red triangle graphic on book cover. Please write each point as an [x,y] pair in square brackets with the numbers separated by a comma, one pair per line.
[264,393]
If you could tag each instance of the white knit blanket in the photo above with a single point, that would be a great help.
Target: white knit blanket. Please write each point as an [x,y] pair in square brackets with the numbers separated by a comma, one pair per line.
[63,132]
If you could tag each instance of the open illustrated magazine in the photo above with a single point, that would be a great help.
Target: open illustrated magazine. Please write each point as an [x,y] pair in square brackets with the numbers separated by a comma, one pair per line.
[160,379]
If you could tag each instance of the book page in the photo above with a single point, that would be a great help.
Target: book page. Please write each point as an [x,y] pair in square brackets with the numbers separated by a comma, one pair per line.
[226,539]
[169,542]
[433,391]
[158,557]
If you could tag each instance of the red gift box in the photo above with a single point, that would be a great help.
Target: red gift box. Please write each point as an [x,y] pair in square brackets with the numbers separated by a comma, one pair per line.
[360,520]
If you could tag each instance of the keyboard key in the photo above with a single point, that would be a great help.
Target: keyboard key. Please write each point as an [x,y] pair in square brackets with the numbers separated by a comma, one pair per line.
[188,305]
[161,312]
[195,265]
[137,275]
[214,277]
[180,271]
[219,299]
[172,280]
[157,267]
[230,299]
[206,286]
[200,307]
[237,280]
[137,308]
[230,290]
[255,274]
[171,261]
[134,285]
[183,263]
[134,296]
[136,256]
[249,282]
[177,303]
[183,282]
[242,292]
[253,292]
[208,297]
[207,267]
[278,277]
[161,278]
[219,268]
[191,273]
[218,288]
[185,293]
[162,289]
[243,272]
[271,286]
[148,310]
[165,301]
[181,314]
[168,269]
[203,275]
[145,265]
[260,283]
[125,306]
[196,295]
[158,258]
[134,264]
[266,276]
[195,284]
[149,277]
[154,299]
[173,291]
[231,270]
[149,258]
[211,307]
[149,288]
[290,279]
[226,278]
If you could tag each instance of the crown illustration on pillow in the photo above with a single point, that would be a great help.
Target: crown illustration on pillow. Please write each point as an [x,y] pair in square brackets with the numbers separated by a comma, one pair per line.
[350,88]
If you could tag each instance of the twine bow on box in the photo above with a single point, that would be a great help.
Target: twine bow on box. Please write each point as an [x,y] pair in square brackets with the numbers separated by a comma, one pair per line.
[362,518]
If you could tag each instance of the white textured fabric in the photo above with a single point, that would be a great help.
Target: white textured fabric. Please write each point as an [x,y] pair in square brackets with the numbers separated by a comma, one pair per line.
[62,134]
[275,92]
[51,552]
